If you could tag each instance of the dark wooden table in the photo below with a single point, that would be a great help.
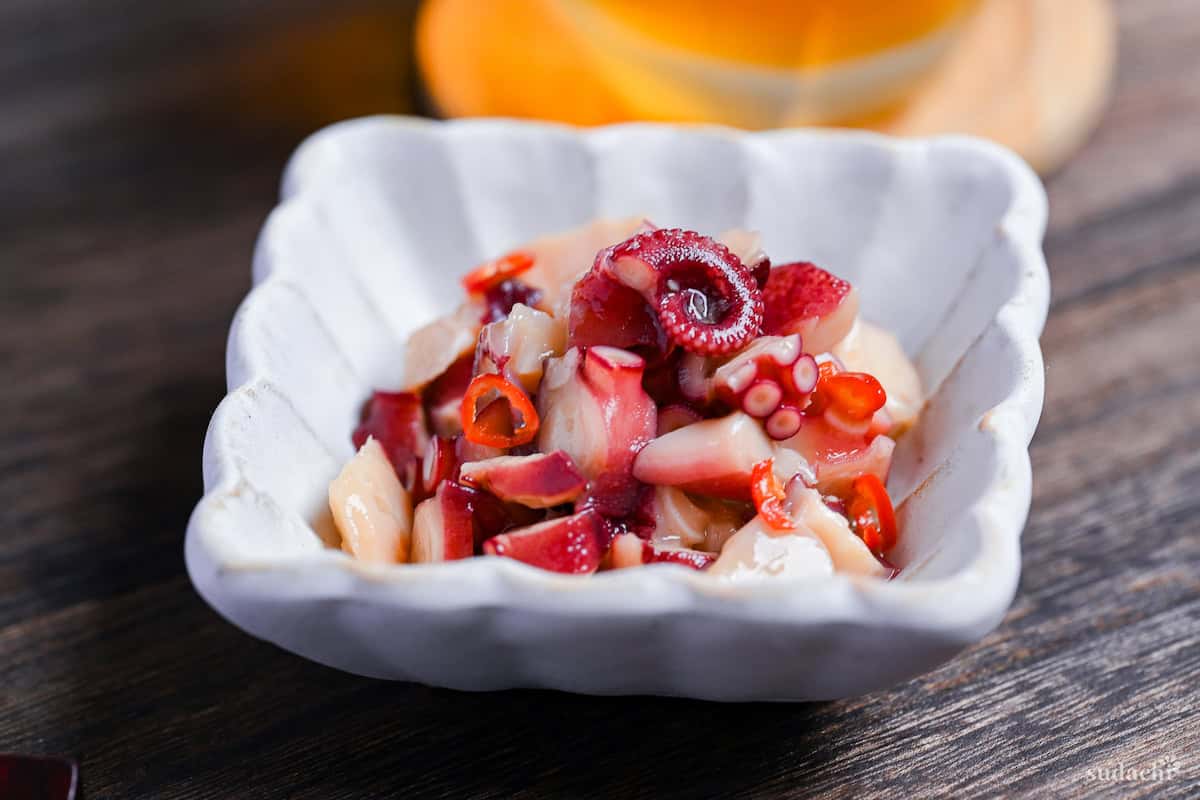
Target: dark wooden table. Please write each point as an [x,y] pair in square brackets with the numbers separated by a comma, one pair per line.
[140,147]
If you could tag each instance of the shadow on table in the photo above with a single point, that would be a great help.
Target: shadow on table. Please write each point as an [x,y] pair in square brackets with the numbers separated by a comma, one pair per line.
[391,740]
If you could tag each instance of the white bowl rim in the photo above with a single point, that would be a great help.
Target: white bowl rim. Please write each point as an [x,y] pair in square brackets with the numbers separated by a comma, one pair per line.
[971,600]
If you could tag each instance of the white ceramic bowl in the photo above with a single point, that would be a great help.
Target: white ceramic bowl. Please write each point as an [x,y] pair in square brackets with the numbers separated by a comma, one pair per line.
[379,216]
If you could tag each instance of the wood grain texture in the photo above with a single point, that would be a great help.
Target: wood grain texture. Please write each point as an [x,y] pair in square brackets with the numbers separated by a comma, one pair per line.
[140,149]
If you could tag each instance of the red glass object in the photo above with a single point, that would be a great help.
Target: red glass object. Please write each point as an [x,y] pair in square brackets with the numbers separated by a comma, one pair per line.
[38,778]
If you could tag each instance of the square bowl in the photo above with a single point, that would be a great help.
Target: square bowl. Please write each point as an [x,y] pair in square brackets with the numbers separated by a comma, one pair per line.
[379,217]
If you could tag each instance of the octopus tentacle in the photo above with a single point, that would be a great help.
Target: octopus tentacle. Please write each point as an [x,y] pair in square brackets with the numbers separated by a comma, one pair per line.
[706,301]
[772,380]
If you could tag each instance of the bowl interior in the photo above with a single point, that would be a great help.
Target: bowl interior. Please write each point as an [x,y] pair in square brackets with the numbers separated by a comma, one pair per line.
[380,219]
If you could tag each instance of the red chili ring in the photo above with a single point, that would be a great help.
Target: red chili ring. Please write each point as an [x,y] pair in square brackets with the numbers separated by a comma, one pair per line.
[871,514]
[769,496]
[482,430]
[496,271]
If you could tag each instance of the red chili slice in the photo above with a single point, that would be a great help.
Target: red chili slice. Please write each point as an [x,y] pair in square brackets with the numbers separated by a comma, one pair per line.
[856,395]
[871,514]
[768,495]
[492,427]
[820,399]
[496,271]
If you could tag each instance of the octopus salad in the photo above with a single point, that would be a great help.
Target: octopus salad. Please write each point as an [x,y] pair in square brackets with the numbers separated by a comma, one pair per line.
[621,395]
